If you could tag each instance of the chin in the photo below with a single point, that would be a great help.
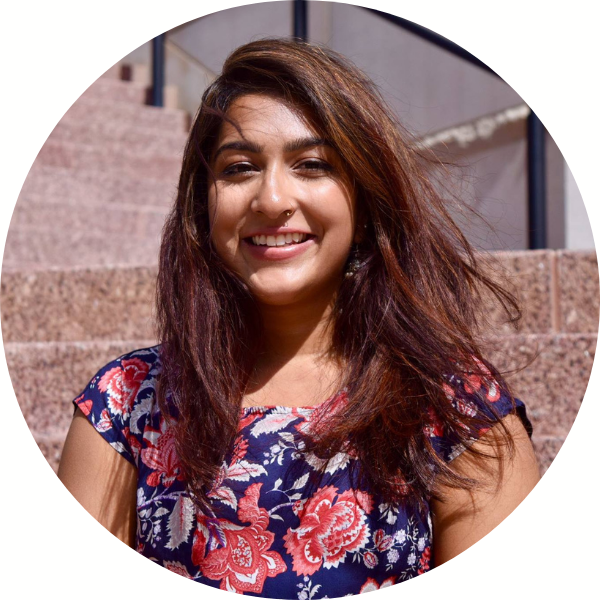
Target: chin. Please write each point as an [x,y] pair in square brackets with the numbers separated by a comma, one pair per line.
[278,297]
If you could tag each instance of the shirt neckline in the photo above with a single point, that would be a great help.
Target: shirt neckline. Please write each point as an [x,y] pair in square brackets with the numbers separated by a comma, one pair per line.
[274,408]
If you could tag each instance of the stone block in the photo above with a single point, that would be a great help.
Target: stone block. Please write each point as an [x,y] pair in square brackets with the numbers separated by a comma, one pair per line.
[546,448]
[78,305]
[114,72]
[131,136]
[115,90]
[127,221]
[109,157]
[579,296]
[46,377]
[89,110]
[38,250]
[555,377]
[51,447]
[53,185]
[528,276]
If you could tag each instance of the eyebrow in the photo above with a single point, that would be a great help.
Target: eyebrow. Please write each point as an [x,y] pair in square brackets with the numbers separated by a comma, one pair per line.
[302,143]
[292,146]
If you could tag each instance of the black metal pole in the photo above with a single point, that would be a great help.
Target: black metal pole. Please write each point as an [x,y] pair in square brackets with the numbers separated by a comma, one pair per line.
[301,19]
[158,69]
[536,181]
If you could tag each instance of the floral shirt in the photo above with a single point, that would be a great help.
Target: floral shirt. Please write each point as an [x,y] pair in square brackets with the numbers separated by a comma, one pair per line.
[271,534]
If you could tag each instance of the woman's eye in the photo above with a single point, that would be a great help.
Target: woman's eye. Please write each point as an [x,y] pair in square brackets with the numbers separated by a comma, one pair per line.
[315,166]
[238,169]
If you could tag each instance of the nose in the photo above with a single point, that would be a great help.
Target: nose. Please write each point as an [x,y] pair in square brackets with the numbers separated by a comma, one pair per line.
[274,196]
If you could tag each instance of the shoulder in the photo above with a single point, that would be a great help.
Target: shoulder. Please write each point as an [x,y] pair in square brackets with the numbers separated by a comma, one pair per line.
[121,397]
[131,367]
[120,380]
[475,403]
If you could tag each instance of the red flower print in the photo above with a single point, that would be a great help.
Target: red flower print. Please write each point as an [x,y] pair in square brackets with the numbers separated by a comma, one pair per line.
[177,567]
[161,456]
[370,585]
[84,405]
[474,382]
[466,408]
[122,384]
[331,526]
[247,420]
[245,561]
[331,406]
[449,391]
[104,424]
[371,560]
[424,561]
[132,440]
[239,450]
[382,541]
[435,427]
[199,546]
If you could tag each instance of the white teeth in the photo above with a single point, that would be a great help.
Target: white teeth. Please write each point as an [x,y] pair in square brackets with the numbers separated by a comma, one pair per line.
[278,240]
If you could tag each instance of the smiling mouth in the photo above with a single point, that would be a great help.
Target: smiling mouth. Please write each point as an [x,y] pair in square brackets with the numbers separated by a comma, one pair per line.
[288,239]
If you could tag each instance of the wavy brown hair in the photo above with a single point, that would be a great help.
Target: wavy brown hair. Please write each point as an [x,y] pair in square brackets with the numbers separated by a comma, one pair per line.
[402,326]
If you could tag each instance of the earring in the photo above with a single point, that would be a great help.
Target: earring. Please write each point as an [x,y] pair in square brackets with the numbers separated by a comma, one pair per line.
[354,263]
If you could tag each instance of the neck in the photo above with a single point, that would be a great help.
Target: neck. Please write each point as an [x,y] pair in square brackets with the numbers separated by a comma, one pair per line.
[298,330]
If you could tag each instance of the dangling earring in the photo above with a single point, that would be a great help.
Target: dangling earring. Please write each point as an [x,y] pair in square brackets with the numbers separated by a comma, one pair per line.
[354,263]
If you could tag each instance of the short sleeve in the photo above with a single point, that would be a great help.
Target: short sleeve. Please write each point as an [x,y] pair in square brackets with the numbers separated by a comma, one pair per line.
[476,399]
[112,402]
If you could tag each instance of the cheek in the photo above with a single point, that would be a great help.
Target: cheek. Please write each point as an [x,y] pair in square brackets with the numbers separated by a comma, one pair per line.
[340,217]
[224,219]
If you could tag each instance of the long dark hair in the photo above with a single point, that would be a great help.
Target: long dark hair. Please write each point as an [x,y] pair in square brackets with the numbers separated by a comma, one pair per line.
[402,324]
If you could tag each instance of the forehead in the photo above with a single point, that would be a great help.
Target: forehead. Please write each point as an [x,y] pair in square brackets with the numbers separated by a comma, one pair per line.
[257,116]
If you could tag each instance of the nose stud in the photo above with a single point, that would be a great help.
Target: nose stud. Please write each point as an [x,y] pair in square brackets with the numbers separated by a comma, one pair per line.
[288,213]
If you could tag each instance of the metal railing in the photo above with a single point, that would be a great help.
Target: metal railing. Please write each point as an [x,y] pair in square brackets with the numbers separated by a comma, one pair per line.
[158,70]
[536,142]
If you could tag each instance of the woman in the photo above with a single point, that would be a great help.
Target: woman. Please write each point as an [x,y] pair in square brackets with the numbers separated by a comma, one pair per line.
[319,419]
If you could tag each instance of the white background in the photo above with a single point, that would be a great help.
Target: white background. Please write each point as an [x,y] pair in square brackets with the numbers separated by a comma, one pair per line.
[52,51]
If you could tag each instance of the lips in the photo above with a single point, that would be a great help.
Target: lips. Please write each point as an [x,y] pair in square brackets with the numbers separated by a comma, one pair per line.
[281,239]
[278,252]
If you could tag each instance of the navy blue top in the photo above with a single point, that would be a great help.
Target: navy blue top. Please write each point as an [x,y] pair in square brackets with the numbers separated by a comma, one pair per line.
[273,535]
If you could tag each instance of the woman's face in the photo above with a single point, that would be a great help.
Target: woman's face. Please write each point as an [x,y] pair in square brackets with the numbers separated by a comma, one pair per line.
[282,211]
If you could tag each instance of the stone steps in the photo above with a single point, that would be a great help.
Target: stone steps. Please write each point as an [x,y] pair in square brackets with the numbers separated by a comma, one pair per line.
[558,291]
[114,72]
[115,90]
[132,221]
[46,376]
[134,139]
[535,274]
[554,376]
[78,305]
[53,185]
[39,250]
[80,265]
[114,157]
[126,114]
